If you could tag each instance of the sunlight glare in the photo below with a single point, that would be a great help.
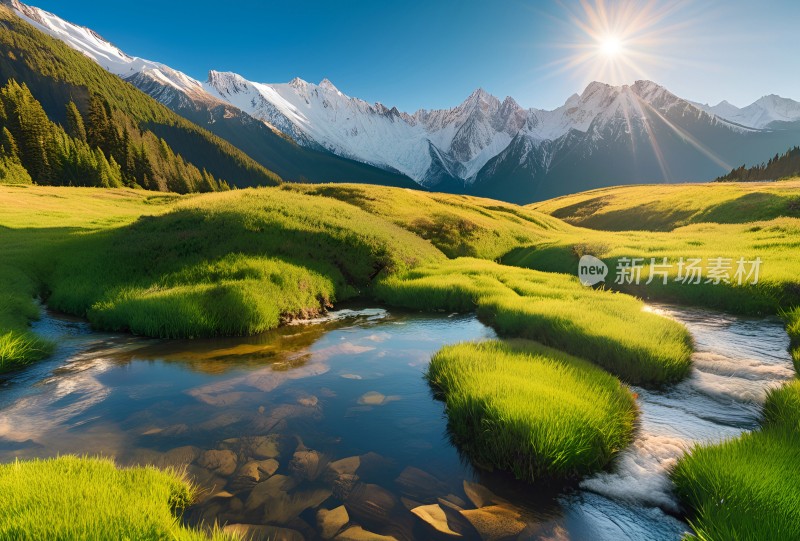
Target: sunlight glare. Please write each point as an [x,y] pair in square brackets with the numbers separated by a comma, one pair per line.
[610,46]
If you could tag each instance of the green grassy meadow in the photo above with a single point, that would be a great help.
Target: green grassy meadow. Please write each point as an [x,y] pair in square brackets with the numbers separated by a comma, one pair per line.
[90,499]
[238,263]
[664,207]
[532,410]
[611,329]
[245,261]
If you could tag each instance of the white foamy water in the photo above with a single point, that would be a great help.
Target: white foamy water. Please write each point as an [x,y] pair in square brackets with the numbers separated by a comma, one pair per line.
[736,362]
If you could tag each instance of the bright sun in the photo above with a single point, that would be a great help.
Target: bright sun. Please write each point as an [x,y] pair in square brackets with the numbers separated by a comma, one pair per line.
[619,41]
[610,46]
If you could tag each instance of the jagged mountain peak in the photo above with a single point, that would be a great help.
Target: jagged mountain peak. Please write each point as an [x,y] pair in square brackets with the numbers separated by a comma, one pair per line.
[299,83]
[456,142]
[326,84]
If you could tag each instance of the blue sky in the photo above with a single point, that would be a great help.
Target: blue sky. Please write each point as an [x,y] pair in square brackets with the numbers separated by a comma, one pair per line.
[433,54]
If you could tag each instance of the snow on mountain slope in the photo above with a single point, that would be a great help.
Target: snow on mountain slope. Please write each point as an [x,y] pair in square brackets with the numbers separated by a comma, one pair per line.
[466,136]
[429,146]
[322,115]
[107,55]
[759,114]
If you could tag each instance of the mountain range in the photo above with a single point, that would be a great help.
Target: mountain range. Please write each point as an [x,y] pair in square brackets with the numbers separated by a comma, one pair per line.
[314,132]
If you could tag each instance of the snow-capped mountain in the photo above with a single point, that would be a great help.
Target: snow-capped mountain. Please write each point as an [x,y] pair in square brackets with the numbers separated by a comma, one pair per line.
[190,98]
[765,112]
[110,57]
[461,139]
[605,135]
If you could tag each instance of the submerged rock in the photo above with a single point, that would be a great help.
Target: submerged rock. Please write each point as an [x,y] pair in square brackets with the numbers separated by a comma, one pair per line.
[495,522]
[480,496]
[286,507]
[309,401]
[179,457]
[373,464]
[420,485]
[347,465]
[372,505]
[276,419]
[374,398]
[222,420]
[272,489]
[357,533]
[255,447]
[331,522]
[307,464]
[281,503]
[343,485]
[434,516]
[221,462]
[172,430]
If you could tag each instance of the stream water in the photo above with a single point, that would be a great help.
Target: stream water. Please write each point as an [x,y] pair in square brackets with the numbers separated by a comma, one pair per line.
[328,428]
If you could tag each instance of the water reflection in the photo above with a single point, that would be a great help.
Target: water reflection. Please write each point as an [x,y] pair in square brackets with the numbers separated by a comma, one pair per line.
[327,429]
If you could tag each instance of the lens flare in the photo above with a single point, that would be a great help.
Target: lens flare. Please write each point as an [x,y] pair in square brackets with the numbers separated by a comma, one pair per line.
[621,41]
[610,46]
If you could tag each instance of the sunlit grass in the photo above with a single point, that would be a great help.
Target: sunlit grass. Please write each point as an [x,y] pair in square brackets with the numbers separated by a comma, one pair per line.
[792,318]
[88,499]
[228,264]
[746,488]
[34,222]
[782,408]
[458,225]
[19,349]
[525,408]
[776,242]
[610,329]
[663,207]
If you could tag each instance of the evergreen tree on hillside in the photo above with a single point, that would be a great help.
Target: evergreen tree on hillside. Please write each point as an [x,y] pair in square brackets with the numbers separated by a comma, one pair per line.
[780,166]
[75,126]
[107,150]
[11,170]
[30,128]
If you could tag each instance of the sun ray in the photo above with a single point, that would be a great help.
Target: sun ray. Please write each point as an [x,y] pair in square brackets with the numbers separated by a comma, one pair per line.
[616,42]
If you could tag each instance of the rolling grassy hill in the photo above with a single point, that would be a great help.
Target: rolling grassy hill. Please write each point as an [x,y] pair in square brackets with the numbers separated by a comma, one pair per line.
[458,225]
[664,207]
[243,261]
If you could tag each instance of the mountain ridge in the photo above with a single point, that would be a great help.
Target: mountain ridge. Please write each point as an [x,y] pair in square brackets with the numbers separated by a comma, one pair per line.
[462,148]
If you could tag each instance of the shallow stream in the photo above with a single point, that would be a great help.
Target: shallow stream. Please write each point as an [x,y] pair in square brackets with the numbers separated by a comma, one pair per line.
[329,427]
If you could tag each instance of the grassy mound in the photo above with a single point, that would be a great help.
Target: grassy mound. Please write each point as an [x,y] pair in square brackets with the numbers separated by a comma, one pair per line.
[87,499]
[18,345]
[231,263]
[782,408]
[666,207]
[776,242]
[458,225]
[34,221]
[746,488]
[792,318]
[610,329]
[526,408]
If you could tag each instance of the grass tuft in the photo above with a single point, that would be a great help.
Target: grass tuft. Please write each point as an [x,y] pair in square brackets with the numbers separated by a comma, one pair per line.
[747,488]
[90,499]
[613,330]
[21,348]
[531,410]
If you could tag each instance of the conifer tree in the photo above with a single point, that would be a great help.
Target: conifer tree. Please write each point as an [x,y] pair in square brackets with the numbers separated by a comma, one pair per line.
[75,126]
